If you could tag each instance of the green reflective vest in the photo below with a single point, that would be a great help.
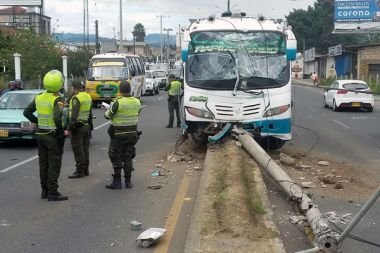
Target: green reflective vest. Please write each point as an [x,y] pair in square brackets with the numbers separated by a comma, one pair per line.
[45,110]
[128,112]
[175,88]
[85,106]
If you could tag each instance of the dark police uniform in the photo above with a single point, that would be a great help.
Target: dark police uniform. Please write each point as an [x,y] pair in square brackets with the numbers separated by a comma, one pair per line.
[80,126]
[124,113]
[174,89]
[50,138]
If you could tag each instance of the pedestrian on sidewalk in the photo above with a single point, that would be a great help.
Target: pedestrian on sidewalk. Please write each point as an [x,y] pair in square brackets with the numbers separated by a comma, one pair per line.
[174,90]
[124,115]
[50,133]
[79,129]
[314,77]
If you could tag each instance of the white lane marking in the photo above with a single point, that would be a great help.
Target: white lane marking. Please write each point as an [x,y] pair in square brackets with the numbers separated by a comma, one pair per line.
[311,109]
[160,98]
[19,164]
[341,124]
[102,125]
[35,157]
[363,118]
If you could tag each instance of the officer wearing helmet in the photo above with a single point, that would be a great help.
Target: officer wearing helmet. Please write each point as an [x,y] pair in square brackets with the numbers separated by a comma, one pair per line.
[124,115]
[50,133]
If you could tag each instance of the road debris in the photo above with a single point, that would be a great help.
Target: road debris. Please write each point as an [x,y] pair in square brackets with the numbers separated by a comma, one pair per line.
[155,187]
[328,179]
[302,167]
[308,185]
[150,237]
[323,163]
[136,226]
[286,160]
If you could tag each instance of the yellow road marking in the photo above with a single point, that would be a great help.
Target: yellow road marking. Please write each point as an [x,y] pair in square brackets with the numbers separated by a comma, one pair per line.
[171,221]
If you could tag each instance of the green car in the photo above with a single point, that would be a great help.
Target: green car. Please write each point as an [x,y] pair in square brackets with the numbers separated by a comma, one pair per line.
[13,124]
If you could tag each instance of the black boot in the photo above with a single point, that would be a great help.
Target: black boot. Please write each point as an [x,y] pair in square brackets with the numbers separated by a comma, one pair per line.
[76,174]
[56,196]
[128,183]
[86,172]
[116,182]
[44,194]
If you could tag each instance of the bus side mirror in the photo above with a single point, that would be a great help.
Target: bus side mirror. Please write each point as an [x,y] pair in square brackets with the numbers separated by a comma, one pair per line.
[291,49]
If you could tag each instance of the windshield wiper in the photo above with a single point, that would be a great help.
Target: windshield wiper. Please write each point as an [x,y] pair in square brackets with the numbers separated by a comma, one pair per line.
[236,60]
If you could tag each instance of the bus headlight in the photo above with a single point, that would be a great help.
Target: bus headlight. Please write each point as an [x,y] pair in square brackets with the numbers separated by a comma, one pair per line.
[276,111]
[199,113]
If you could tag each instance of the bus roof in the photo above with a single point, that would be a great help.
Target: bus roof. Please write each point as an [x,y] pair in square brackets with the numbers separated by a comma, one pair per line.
[235,22]
[113,55]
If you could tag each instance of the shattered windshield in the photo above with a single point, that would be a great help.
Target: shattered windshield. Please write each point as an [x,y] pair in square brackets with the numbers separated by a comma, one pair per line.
[16,100]
[217,58]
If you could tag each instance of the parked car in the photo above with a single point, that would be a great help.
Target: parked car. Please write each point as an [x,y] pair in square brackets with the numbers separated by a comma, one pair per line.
[13,124]
[349,94]
[151,83]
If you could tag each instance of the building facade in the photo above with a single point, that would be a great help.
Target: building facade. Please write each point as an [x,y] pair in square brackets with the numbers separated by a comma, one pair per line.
[25,18]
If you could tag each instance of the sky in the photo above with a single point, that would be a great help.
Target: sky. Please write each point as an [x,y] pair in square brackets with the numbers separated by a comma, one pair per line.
[67,15]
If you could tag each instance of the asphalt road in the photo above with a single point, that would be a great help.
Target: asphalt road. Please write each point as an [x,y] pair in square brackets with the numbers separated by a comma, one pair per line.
[94,219]
[350,136]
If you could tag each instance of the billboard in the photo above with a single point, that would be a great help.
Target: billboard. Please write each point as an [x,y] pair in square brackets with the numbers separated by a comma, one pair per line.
[310,54]
[335,50]
[20,2]
[355,16]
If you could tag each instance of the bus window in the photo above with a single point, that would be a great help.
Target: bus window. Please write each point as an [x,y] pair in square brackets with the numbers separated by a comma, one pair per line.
[137,66]
[142,66]
[131,65]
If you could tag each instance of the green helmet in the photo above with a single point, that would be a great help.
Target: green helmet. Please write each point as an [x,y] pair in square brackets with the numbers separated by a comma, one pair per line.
[53,80]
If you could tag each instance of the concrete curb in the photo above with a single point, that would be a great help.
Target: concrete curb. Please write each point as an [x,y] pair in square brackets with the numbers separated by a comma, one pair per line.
[193,241]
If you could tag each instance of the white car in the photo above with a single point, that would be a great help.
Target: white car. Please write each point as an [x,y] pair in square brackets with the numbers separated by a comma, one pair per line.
[349,94]
[151,83]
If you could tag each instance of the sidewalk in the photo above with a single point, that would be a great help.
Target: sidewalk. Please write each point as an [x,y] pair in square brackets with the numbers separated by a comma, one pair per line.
[309,82]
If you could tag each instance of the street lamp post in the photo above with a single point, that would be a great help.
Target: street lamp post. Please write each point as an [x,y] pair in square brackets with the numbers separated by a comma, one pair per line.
[161,16]
[134,42]
[167,45]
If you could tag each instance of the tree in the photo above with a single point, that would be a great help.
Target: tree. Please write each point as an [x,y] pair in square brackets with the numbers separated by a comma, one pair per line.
[314,26]
[39,54]
[139,32]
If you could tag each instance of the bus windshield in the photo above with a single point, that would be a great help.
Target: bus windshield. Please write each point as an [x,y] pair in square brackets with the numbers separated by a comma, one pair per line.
[218,58]
[107,69]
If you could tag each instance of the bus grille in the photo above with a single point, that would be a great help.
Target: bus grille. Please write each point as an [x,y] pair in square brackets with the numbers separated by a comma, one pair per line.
[110,89]
[237,110]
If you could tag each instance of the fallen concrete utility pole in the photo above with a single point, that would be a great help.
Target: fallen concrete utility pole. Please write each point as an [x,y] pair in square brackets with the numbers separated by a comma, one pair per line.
[325,239]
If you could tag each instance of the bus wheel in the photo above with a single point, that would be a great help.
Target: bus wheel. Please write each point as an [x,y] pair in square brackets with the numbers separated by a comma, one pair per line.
[199,137]
[271,143]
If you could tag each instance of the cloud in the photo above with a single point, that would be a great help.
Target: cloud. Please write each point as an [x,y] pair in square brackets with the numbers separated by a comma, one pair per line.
[70,13]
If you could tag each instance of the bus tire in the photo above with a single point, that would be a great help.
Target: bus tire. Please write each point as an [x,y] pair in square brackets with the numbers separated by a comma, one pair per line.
[271,143]
[199,138]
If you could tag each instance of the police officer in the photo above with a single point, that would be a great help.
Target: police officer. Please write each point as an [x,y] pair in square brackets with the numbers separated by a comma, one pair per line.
[173,89]
[50,133]
[123,113]
[79,129]
[12,85]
